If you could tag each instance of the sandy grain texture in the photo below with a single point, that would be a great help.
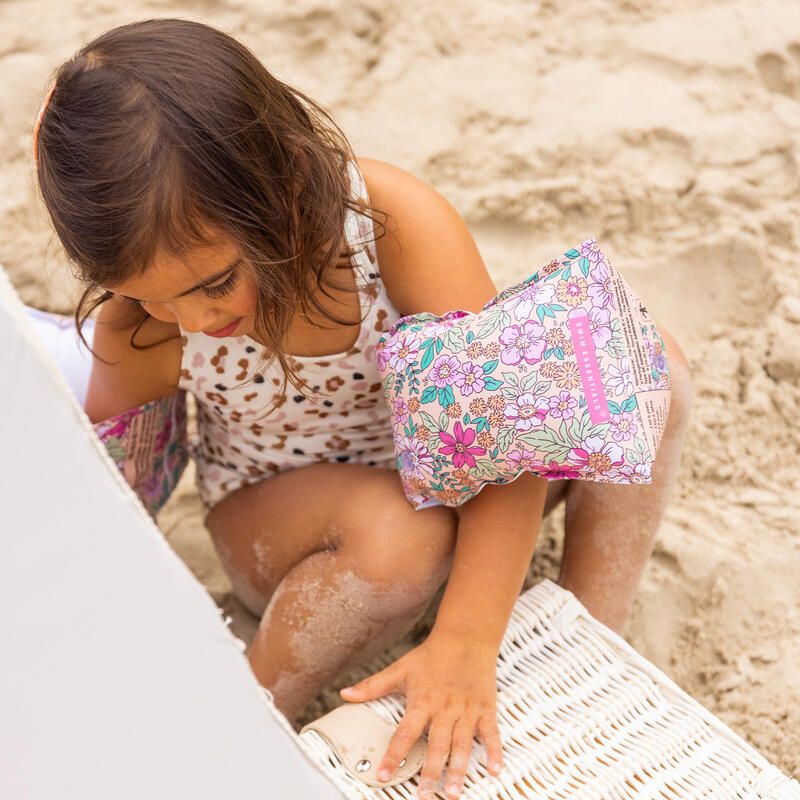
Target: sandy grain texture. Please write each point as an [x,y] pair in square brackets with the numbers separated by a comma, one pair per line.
[668,130]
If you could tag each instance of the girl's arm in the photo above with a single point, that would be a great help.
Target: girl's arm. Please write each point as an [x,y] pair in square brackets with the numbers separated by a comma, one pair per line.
[124,377]
[429,262]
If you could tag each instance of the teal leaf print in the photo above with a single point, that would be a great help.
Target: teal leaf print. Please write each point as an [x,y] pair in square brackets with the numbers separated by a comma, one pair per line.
[429,421]
[630,403]
[466,419]
[446,396]
[481,423]
[429,395]
[572,254]
[470,336]
[582,402]
[584,265]
[492,383]
[557,307]
[489,366]
[504,437]
[613,407]
[566,273]
[559,353]
[427,358]
[548,311]
[443,421]
[547,353]
[540,314]
[439,345]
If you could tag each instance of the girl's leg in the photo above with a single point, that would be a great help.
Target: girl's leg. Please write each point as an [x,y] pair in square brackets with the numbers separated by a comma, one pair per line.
[338,565]
[610,528]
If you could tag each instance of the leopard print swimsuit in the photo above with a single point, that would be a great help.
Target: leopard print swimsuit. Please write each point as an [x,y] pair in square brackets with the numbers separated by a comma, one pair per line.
[347,421]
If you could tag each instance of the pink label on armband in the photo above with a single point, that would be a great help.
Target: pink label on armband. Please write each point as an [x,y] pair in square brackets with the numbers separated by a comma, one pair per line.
[589,370]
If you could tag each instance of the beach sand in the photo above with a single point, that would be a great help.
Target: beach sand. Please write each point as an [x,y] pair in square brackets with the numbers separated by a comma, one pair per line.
[668,130]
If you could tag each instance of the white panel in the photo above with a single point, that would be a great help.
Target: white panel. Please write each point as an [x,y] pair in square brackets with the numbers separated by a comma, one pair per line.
[119,678]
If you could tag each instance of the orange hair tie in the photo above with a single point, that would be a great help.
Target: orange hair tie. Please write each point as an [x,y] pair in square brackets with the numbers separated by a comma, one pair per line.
[39,122]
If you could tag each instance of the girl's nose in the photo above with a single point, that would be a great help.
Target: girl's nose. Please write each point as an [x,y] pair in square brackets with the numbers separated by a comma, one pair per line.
[190,316]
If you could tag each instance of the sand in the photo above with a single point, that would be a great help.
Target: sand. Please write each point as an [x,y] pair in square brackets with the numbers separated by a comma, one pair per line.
[668,130]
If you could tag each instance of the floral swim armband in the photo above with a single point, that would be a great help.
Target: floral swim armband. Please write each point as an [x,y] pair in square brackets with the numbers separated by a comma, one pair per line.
[563,375]
[149,446]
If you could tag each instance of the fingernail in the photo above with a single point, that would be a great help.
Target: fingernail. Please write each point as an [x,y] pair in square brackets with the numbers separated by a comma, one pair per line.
[453,789]
[384,774]
[425,794]
[496,766]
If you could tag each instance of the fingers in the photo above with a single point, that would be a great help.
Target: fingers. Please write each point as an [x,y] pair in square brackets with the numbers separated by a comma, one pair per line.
[408,731]
[489,732]
[439,739]
[463,733]
[381,683]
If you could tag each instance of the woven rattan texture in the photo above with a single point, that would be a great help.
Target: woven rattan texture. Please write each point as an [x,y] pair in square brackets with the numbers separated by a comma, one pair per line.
[583,715]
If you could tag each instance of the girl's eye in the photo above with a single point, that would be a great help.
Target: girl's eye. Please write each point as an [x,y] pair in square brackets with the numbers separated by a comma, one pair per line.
[221,289]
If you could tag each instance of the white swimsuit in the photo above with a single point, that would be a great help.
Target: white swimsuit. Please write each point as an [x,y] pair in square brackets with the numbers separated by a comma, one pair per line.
[237,446]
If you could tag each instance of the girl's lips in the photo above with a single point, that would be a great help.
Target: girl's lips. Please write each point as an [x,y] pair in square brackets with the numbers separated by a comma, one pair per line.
[226,331]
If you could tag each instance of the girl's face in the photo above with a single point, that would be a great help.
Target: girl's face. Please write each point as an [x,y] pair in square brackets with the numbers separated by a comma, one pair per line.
[211,290]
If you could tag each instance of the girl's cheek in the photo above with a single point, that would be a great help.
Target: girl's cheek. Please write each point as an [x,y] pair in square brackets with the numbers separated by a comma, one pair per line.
[159,312]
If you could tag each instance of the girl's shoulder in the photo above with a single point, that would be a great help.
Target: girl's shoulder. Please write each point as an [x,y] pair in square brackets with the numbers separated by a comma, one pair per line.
[134,361]
[428,259]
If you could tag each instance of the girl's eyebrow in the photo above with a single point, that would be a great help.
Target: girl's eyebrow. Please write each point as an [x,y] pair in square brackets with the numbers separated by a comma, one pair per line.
[200,285]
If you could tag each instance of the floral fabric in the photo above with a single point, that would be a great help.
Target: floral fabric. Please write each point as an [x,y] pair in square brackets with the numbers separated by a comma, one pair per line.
[149,446]
[564,375]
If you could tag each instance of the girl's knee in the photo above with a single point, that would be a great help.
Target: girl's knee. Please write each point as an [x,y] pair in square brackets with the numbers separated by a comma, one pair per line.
[393,546]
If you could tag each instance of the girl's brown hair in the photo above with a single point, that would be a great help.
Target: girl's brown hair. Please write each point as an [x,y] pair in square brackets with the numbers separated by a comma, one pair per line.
[161,130]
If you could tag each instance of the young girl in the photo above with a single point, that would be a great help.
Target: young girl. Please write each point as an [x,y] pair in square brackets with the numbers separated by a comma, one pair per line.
[221,223]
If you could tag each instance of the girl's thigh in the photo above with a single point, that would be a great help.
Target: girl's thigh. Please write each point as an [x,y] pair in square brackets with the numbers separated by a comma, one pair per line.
[262,531]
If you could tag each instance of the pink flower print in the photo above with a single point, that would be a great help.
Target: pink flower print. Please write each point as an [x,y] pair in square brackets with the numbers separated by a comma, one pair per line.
[527,411]
[523,302]
[596,456]
[600,289]
[600,326]
[563,406]
[459,446]
[620,381]
[470,379]
[637,473]
[622,427]
[523,341]
[591,250]
[523,459]
[558,472]
[414,457]
[444,370]
[382,354]
[400,410]
[403,353]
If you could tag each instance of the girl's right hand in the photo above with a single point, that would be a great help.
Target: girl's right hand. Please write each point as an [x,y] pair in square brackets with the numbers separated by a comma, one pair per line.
[450,685]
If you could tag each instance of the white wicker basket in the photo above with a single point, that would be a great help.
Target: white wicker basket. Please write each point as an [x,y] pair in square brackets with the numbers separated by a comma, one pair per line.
[583,715]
